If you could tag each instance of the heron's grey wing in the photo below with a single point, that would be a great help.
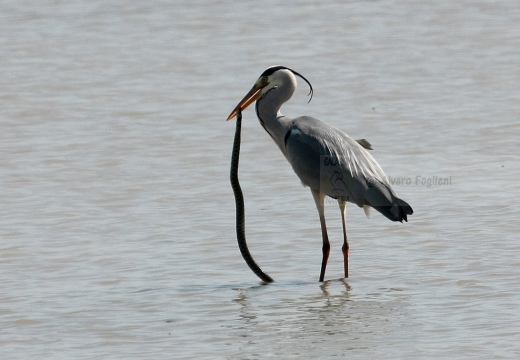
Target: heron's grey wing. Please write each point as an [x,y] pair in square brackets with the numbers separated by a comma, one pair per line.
[328,160]
[375,189]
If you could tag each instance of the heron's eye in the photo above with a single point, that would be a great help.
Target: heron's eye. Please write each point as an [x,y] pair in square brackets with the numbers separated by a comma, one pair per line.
[263,80]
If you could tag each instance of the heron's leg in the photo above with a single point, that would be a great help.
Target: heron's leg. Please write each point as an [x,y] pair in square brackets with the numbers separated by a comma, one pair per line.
[319,199]
[342,206]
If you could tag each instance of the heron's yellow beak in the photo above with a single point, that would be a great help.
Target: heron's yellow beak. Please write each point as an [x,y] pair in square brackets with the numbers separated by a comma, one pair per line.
[251,96]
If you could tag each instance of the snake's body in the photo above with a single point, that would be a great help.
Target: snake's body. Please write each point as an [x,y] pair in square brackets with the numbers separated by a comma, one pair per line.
[239,201]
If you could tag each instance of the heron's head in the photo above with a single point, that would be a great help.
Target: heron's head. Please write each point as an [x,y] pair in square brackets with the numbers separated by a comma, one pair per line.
[270,78]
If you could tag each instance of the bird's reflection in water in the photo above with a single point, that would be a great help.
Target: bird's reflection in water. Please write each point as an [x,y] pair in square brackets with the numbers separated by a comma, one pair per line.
[324,287]
[250,299]
[342,297]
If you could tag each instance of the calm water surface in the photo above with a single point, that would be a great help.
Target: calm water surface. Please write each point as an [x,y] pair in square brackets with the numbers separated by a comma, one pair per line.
[117,217]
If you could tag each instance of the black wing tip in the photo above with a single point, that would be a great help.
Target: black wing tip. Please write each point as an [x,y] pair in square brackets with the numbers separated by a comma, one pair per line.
[404,210]
[399,211]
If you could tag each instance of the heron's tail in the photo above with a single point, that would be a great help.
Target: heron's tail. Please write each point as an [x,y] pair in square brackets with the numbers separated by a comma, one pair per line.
[382,198]
[396,211]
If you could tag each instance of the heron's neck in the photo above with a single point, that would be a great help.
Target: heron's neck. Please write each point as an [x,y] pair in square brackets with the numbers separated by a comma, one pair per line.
[270,117]
[273,122]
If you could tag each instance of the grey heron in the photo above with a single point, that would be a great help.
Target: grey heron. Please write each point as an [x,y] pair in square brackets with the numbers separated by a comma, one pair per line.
[325,159]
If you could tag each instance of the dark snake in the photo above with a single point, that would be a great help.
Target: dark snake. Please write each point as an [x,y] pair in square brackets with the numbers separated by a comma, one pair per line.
[239,201]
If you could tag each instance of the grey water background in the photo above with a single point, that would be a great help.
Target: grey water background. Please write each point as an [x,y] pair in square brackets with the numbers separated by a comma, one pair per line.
[117,217]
